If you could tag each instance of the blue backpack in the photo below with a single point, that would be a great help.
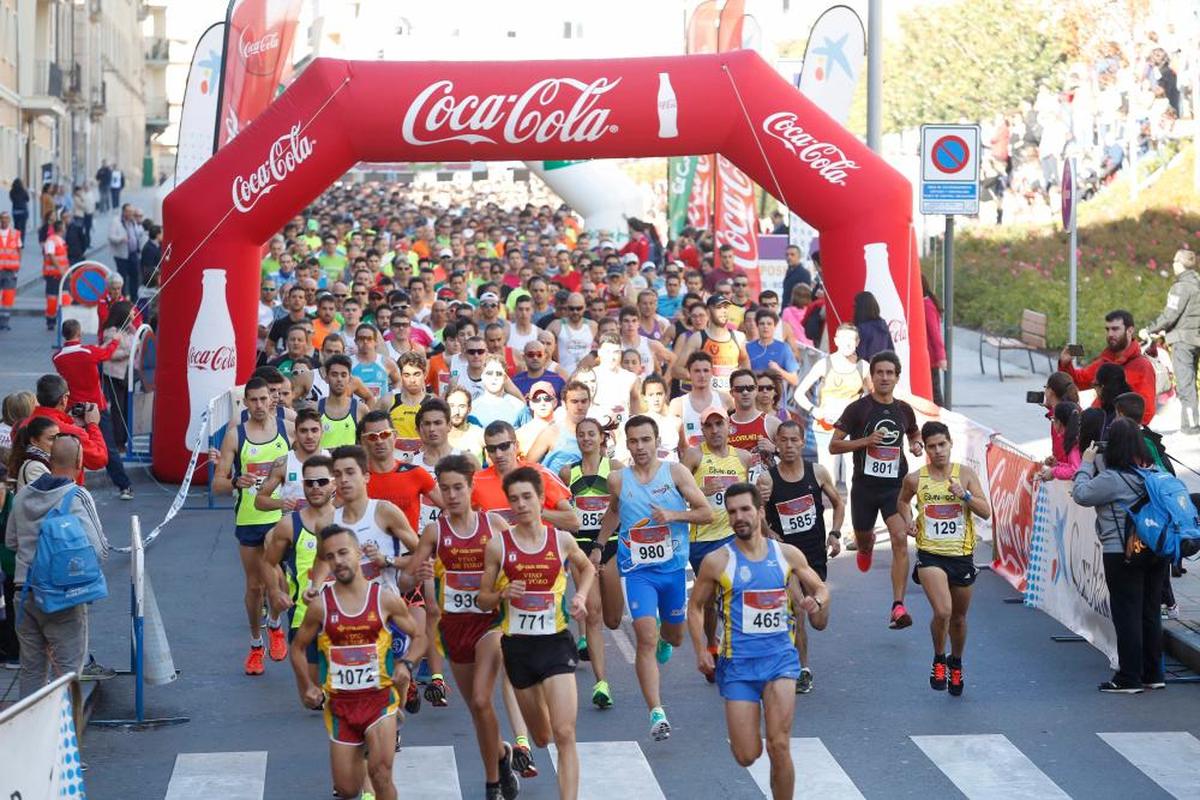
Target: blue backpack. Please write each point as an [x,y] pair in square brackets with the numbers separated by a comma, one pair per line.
[66,569]
[1165,519]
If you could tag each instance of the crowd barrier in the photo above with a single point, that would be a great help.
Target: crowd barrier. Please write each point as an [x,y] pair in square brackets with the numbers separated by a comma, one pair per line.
[1011,475]
[39,745]
[140,396]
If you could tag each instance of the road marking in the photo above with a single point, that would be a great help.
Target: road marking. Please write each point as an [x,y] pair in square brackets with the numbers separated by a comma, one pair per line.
[621,640]
[988,767]
[1168,758]
[612,769]
[818,774]
[230,776]
[413,777]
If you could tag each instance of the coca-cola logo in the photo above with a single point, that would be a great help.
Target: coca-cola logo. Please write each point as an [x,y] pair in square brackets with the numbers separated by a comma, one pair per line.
[259,54]
[1010,487]
[736,224]
[217,359]
[698,210]
[553,109]
[824,157]
[1086,567]
[286,154]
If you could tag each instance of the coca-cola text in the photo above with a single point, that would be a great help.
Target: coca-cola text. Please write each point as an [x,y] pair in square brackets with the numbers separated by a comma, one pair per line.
[537,114]
[286,154]
[736,225]
[216,359]
[826,158]
[257,47]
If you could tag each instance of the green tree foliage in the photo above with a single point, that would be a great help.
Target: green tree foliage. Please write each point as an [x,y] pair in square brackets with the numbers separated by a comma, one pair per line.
[968,60]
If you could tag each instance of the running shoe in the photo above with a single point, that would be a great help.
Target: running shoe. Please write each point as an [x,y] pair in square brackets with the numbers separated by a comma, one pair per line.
[582,647]
[804,682]
[660,728]
[492,792]
[662,653]
[956,678]
[937,675]
[436,692]
[522,761]
[900,618]
[277,643]
[863,559]
[1158,684]
[510,784]
[1171,612]
[600,696]
[126,493]
[412,701]
[254,661]
[1112,687]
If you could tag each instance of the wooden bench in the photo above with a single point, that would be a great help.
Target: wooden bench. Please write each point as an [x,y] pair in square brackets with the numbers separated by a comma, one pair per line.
[1030,336]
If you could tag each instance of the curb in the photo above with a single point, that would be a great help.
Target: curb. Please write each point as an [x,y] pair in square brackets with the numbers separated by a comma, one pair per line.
[1182,642]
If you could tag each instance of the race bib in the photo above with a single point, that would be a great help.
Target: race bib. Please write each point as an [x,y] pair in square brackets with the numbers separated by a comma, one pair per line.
[369,570]
[429,514]
[460,592]
[259,471]
[764,611]
[720,377]
[650,545]
[797,515]
[882,462]
[714,489]
[944,522]
[406,449]
[353,668]
[531,614]
[444,381]
[590,510]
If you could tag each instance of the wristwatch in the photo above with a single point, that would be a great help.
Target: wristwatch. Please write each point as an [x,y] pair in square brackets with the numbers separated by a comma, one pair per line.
[388,561]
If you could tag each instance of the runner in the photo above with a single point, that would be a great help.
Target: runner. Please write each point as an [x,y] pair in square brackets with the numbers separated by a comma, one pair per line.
[312,384]
[750,429]
[525,567]
[557,445]
[433,426]
[654,401]
[655,357]
[686,408]
[653,504]
[752,580]
[356,664]
[949,497]
[543,402]
[796,492]
[726,347]
[588,482]
[290,549]
[715,466]
[377,372]
[248,452]
[873,429]
[462,433]
[286,471]
[574,335]
[340,411]
[468,635]
[409,395]
[617,393]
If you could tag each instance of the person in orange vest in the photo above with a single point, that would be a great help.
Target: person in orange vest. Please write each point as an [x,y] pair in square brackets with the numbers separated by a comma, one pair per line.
[54,264]
[10,265]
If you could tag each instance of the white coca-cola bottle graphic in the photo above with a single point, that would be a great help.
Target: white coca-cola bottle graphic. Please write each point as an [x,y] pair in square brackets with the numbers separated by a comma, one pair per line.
[881,284]
[212,352]
[667,108]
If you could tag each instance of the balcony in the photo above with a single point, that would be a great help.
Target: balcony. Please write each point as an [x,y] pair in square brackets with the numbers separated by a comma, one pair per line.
[158,51]
[74,82]
[158,116]
[48,90]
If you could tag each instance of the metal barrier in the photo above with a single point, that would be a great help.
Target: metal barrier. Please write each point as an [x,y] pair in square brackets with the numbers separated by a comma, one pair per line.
[76,309]
[137,445]
[39,742]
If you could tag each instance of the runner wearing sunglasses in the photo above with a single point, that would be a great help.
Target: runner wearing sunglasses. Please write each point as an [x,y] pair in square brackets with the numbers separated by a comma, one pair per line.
[286,471]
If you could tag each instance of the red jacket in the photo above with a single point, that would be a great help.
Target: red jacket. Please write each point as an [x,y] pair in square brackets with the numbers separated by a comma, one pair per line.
[79,365]
[1139,374]
[95,452]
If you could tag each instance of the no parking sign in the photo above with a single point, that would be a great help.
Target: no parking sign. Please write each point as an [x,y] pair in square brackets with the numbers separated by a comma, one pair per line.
[949,169]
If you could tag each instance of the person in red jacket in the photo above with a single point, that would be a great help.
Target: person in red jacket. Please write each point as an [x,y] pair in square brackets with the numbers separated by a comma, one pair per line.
[53,400]
[1123,350]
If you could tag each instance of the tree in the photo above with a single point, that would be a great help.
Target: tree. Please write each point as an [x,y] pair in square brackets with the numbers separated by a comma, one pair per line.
[968,60]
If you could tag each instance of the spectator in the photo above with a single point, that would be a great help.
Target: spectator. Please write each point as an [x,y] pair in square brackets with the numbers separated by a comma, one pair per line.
[873,334]
[115,369]
[18,195]
[1180,321]
[16,407]
[148,263]
[933,338]
[103,179]
[1064,438]
[30,456]
[116,182]
[796,273]
[1122,350]
[1134,577]
[83,421]
[125,238]
[52,644]
[85,208]
[800,297]
[77,238]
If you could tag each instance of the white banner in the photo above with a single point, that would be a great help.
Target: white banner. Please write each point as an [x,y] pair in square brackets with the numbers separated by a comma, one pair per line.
[1066,568]
[198,114]
[969,442]
[39,750]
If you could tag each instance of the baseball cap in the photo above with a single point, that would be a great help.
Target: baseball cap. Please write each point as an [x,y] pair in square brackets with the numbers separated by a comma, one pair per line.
[542,387]
[649,266]
[561,248]
[615,269]
[489,297]
[717,300]
[607,244]
[445,252]
[445,293]
[718,410]
[629,258]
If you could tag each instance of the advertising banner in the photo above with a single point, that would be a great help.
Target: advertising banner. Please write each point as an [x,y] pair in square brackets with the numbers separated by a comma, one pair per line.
[258,45]
[198,114]
[1010,486]
[39,750]
[681,178]
[772,262]
[735,220]
[1066,568]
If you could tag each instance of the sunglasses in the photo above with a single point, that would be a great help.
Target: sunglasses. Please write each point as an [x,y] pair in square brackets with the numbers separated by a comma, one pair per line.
[500,447]
[535,353]
[542,398]
[474,351]
[310,482]
[766,388]
[743,389]
[574,308]
[377,436]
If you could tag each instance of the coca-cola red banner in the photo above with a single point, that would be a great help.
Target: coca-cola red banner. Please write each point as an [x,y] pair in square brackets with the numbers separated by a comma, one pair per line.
[702,29]
[258,46]
[219,218]
[736,219]
[1012,491]
[700,203]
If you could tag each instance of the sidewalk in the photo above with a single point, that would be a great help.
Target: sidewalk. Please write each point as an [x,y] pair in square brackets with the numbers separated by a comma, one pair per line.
[1002,407]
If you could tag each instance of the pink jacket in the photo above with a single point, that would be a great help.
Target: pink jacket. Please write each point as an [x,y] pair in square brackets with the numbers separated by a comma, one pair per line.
[933,333]
[1066,464]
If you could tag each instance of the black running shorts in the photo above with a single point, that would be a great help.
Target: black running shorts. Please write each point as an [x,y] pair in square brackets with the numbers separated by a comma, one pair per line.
[529,660]
[960,570]
[868,502]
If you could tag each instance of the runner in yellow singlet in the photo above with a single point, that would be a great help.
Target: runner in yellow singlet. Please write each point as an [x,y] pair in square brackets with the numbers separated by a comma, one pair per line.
[340,410]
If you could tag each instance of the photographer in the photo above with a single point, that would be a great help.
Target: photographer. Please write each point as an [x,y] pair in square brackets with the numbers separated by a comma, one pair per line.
[1133,574]
[1122,352]
[82,421]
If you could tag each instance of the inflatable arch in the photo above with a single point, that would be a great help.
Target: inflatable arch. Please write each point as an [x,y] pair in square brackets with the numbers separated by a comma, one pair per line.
[338,113]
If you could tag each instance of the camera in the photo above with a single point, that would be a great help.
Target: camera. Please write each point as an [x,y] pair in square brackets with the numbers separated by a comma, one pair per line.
[1037,398]
[1075,350]
[78,410]
[1100,445]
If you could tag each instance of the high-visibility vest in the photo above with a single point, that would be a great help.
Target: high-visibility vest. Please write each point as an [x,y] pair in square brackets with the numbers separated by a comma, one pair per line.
[54,257]
[10,250]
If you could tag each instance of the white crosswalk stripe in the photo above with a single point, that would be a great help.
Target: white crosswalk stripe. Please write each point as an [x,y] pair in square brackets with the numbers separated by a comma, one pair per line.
[613,769]
[988,767]
[412,775]
[231,776]
[818,774]
[1168,758]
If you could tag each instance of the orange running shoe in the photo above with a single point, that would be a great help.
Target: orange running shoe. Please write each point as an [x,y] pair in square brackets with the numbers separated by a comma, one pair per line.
[254,661]
[277,643]
[863,559]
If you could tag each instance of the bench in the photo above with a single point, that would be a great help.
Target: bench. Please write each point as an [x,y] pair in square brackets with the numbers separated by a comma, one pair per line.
[1030,336]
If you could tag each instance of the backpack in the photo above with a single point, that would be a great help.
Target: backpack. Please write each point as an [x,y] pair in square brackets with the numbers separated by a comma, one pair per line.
[65,570]
[1165,519]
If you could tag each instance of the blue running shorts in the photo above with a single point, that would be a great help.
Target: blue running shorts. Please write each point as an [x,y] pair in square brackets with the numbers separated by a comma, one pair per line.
[747,678]
[661,594]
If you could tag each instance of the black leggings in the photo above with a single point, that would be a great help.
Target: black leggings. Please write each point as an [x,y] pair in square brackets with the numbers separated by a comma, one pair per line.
[1134,594]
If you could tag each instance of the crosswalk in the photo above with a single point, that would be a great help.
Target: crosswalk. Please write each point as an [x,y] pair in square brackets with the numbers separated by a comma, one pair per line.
[981,767]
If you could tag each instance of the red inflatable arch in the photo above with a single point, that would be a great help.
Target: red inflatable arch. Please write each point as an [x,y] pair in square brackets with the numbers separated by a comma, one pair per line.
[339,113]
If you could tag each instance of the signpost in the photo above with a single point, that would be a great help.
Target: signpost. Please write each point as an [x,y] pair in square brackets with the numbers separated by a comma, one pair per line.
[1070,199]
[949,186]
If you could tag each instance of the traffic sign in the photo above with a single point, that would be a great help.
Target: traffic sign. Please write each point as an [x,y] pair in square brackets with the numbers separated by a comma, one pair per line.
[1068,192]
[949,169]
[88,284]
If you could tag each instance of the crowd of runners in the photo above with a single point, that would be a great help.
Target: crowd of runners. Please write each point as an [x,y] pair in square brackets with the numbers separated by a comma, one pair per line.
[479,436]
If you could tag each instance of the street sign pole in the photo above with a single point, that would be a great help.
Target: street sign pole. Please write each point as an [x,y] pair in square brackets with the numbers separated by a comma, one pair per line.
[948,310]
[1070,203]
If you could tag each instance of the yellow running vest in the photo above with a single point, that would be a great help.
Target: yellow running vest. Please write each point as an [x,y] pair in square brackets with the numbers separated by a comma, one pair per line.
[713,476]
[945,526]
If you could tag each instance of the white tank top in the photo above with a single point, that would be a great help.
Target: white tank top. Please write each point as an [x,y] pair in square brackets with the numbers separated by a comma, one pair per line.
[518,340]
[691,420]
[429,512]
[668,436]
[612,394]
[643,348]
[293,485]
[320,387]
[573,345]
[368,531]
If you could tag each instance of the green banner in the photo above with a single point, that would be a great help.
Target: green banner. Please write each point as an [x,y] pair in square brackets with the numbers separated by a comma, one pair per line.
[681,174]
[552,165]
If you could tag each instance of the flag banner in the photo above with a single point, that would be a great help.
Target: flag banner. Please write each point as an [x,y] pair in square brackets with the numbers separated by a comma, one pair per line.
[258,46]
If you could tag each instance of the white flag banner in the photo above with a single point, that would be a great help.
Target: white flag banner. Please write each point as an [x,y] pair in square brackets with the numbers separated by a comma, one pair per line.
[198,115]
[39,749]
